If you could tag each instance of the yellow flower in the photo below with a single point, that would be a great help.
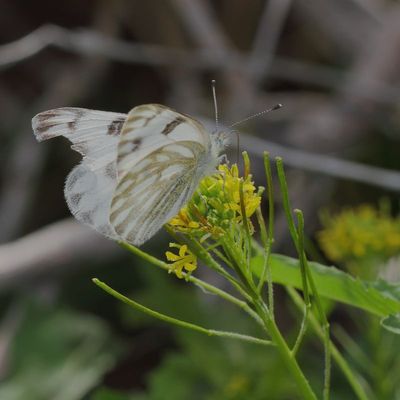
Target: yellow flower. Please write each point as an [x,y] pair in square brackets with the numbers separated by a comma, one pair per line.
[360,233]
[215,206]
[229,177]
[184,260]
[183,222]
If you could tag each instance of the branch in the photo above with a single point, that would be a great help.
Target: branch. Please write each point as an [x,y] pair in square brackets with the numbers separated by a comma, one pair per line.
[344,122]
[320,164]
[267,36]
[86,43]
[51,249]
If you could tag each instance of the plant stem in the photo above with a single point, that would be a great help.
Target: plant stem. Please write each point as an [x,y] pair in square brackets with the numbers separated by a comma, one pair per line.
[302,331]
[245,222]
[178,322]
[266,274]
[198,249]
[285,352]
[285,199]
[340,360]
[302,256]
[298,242]
[198,282]
[238,259]
[270,191]
[302,259]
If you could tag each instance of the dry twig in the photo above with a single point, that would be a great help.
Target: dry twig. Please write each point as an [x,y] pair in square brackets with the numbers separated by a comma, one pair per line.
[51,249]
[88,43]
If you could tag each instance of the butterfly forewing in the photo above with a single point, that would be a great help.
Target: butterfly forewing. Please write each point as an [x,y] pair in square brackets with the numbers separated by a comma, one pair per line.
[91,132]
[159,155]
[149,127]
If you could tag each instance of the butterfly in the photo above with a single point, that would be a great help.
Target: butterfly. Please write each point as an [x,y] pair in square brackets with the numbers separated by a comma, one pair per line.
[138,169]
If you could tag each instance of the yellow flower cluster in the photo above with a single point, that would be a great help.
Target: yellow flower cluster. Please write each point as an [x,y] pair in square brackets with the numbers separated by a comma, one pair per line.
[215,209]
[360,233]
[216,204]
[230,181]
[184,260]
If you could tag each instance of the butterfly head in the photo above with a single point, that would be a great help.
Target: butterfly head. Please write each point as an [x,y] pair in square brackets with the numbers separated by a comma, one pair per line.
[221,140]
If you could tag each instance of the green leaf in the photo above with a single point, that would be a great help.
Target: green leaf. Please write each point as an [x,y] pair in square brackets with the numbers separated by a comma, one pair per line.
[374,297]
[392,323]
[389,289]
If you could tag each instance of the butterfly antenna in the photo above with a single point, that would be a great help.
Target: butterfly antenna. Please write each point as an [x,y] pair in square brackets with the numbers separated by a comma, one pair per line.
[214,92]
[276,107]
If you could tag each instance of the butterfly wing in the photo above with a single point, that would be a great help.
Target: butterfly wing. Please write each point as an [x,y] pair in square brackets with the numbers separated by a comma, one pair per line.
[162,155]
[90,185]
[92,133]
[137,171]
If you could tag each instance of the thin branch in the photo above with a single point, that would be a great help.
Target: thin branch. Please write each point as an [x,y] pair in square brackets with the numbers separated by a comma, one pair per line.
[50,250]
[323,164]
[267,36]
[318,163]
[89,43]
[343,123]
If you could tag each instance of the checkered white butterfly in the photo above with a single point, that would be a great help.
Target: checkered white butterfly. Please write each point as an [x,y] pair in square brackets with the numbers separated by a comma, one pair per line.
[138,169]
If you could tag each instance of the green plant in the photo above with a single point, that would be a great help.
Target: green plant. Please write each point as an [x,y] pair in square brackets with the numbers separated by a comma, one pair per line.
[216,228]
[362,240]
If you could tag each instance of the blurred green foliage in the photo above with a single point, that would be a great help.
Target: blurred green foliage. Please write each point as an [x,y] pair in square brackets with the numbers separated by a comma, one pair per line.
[202,367]
[57,354]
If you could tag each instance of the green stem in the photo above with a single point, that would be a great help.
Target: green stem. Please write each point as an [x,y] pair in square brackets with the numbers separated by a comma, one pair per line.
[178,322]
[245,222]
[302,259]
[204,255]
[302,256]
[325,327]
[299,244]
[285,199]
[340,360]
[270,191]
[354,349]
[303,329]
[198,282]
[266,275]
[223,258]
[241,267]
[198,249]
[271,222]
[285,352]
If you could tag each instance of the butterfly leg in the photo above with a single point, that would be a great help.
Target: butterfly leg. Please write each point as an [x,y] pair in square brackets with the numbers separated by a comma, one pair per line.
[223,159]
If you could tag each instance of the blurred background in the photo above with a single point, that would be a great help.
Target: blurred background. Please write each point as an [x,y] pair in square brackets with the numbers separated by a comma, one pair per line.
[335,67]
